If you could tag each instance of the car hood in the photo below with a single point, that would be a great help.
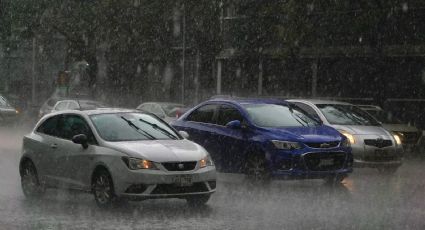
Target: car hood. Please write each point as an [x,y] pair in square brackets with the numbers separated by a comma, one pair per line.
[161,150]
[362,130]
[305,134]
[400,128]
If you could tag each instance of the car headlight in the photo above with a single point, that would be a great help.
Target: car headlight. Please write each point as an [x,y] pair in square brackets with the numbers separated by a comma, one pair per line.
[397,139]
[206,161]
[135,163]
[287,145]
[349,136]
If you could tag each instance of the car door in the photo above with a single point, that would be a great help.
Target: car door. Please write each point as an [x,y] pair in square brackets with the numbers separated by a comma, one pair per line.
[74,160]
[200,124]
[235,140]
[44,149]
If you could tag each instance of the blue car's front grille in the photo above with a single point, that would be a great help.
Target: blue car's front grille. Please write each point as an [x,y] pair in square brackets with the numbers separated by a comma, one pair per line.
[325,161]
[323,145]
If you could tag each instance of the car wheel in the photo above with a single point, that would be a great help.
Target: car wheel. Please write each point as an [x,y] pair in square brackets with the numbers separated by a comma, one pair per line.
[31,186]
[198,200]
[103,188]
[256,168]
[335,179]
[388,170]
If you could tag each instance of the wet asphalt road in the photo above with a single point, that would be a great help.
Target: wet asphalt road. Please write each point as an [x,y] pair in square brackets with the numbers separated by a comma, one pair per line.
[366,200]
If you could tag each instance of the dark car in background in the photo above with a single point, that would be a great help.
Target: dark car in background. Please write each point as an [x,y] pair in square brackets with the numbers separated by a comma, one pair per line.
[8,114]
[266,138]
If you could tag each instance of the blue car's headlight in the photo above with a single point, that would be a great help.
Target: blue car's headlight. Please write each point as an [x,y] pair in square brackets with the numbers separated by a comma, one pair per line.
[287,145]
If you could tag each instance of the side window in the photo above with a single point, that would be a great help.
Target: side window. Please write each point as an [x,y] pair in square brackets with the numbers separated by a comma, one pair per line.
[49,127]
[204,114]
[61,106]
[73,105]
[71,125]
[227,114]
[307,109]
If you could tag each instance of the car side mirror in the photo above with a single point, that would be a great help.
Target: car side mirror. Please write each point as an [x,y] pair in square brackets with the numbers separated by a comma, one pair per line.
[236,124]
[81,139]
[184,134]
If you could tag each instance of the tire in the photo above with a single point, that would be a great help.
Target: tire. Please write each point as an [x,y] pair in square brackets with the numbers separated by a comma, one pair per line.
[198,200]
[335,179]
[256,169]
[103,189]
[30,183]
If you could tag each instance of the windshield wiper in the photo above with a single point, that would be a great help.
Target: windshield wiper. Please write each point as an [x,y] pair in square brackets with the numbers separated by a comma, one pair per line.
[139,130]
[297,118]
[162,130]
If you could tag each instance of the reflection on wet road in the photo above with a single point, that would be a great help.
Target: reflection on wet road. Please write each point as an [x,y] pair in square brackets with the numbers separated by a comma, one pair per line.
[366,200]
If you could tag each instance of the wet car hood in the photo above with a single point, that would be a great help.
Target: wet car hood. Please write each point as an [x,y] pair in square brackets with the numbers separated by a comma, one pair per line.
[400,128]
[305,134]
[362,130]
[161,150]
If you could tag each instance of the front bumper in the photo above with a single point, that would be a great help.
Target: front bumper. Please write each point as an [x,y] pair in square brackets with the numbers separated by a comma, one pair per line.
[374,157]
[149,184]
[298,165]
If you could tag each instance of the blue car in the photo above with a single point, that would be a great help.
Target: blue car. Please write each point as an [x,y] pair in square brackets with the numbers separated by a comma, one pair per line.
[267,138]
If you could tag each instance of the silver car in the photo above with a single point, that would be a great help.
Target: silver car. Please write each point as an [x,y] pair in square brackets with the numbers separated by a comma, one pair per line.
[115,153]
[372,145]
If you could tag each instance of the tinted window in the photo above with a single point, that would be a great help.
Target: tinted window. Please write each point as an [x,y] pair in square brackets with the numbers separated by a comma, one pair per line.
[49,126]
[227,114]
[71,125]
[273,115]
[131,127]
[338,114]
[204,114]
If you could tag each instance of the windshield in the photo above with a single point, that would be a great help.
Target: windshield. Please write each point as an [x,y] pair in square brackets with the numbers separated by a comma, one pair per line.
[131,127]
[274,115]
[338,114]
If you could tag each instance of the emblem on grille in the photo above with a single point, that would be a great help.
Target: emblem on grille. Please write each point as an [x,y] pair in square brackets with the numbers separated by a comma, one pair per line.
[181,166]
[325,145]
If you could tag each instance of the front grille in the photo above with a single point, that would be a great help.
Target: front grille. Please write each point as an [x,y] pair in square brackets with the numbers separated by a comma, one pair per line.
[180,166]
[379,143]
[325,161]
[323,145]
[410,137]
[174,189]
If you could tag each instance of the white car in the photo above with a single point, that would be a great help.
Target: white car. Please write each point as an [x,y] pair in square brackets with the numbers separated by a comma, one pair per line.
[372,145]
[115,153]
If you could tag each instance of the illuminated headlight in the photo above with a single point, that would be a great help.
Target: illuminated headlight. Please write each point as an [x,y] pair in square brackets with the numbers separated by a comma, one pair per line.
[206,161]
[287,145]
[349,136]
[397,139]
[135,163]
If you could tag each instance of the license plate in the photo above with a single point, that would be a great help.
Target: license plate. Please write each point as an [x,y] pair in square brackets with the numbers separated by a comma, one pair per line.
[326,162]
[381,152]
[183,180]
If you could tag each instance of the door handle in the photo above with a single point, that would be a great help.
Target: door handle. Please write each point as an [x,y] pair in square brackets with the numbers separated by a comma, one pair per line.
[54,146]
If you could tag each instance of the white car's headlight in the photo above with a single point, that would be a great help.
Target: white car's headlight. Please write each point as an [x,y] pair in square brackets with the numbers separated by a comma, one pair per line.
[349,136]
[135,163]
[287,145]
[397,139]
[206,161]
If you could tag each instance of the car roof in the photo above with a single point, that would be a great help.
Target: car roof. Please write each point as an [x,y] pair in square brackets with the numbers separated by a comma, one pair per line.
[97,111]
[241,101]
[370,107]
[319,101]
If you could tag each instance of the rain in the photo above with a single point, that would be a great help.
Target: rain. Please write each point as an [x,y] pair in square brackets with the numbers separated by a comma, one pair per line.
[218,114]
